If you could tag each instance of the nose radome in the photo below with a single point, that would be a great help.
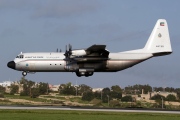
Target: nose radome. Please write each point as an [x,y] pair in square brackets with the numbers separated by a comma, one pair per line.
[11,64]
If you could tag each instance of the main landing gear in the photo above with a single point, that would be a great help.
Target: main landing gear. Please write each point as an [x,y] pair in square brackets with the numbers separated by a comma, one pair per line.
[86,74]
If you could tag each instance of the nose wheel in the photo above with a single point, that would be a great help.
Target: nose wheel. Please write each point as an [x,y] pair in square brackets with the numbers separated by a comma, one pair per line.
[24,73]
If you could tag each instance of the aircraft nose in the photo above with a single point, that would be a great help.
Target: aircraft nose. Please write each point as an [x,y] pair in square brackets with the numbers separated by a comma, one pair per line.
[11,64]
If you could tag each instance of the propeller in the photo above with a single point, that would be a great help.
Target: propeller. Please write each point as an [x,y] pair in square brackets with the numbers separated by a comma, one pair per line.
[70,47]
[68,51]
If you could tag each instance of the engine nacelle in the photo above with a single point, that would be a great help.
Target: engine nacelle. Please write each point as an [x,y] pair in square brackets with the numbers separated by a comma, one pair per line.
[78,53]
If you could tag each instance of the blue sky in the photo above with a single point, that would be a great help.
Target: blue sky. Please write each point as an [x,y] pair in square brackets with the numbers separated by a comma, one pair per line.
[45,25]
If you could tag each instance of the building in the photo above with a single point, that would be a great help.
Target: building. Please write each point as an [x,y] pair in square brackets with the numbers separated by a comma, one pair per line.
[54,88]
[97,89]
[6,83]
[151,94]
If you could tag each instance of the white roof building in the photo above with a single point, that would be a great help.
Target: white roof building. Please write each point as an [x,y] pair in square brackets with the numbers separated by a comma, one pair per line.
[54,88]
[6,83]
[97,89]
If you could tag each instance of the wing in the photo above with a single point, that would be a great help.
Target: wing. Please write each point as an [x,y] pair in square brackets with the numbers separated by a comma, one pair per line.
[94,53]
[98,51]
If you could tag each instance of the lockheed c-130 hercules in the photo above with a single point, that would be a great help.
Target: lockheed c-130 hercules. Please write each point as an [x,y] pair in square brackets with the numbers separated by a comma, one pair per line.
[84,62]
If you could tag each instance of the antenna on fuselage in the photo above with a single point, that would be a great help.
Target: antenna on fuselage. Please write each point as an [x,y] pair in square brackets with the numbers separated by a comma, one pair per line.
[58,50]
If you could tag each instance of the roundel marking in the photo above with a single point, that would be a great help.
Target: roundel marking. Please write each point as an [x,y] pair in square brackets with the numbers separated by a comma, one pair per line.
[159,35]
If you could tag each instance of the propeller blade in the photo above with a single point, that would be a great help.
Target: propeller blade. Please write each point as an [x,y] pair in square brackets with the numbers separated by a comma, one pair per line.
[68,51]
[66,48]
[69,47]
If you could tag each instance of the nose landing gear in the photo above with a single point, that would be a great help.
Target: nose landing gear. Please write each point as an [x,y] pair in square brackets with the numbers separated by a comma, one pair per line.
[24,73]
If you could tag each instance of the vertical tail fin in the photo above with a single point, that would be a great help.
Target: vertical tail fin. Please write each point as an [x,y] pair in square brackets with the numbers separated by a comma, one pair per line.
[159,40]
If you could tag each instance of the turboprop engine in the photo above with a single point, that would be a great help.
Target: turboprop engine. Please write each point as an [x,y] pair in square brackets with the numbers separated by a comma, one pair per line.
[78,53]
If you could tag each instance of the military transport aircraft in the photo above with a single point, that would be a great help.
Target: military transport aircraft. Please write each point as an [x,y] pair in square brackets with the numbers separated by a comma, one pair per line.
[84,62]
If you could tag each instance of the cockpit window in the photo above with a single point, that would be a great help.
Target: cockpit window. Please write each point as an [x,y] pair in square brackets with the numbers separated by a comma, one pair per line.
[20,56]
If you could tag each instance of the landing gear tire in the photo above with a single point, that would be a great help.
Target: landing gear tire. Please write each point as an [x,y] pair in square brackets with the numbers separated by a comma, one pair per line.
[86,74]
[24,73]
[78,74]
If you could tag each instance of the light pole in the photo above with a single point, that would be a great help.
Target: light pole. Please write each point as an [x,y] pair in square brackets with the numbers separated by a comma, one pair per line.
[162,102]
[101,94]
[76,87]
[76,90]
[47,88]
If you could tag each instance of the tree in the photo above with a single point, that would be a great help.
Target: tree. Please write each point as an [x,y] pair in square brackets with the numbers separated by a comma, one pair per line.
[83,88]
[2,91]
[116,92]
[128,90]
[158,99]
[137,89]
[61,88]
[126,99]
[106,91]
[171,97]
[116,88]
[88,96]
[115,95]
[27,85]
[169,89]
[97,95]
[157,89]
[43,88]
[14,89]
[67,89]
[157,96]
[177,90]
[34,92]
[114,103]
[147,88]
[106,95]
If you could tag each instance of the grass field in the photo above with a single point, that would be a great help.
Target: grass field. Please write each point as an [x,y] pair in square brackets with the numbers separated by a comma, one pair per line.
[81,115]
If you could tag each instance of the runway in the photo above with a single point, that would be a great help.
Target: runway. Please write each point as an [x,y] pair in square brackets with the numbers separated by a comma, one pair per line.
[88,109]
